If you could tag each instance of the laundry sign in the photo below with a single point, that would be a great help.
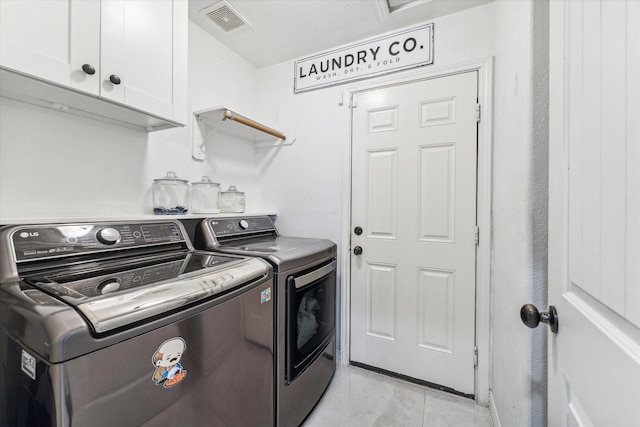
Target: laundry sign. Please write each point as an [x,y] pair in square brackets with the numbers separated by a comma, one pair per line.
[374,57]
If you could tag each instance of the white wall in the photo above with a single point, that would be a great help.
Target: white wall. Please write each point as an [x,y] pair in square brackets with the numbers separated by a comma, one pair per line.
[518,382]
[58,165]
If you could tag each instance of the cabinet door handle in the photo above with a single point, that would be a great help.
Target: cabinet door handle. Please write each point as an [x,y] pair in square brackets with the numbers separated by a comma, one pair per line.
[114,79]
[88,69]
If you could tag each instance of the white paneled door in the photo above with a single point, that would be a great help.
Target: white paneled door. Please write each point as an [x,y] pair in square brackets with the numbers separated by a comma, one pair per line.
[413,249]
[594,213]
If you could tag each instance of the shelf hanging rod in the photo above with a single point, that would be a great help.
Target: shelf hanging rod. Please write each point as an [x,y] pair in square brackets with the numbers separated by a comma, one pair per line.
[229,115]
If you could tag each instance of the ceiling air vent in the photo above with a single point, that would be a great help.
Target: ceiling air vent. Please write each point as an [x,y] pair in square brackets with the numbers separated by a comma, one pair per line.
[225,16]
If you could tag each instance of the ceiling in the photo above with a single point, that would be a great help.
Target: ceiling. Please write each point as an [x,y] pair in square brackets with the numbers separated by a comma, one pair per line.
[283,30]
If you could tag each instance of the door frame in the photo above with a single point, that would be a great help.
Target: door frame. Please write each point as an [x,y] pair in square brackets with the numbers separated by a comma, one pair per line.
[484,67]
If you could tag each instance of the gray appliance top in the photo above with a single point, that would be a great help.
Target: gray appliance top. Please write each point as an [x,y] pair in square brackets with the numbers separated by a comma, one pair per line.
[258,237]
[94,279]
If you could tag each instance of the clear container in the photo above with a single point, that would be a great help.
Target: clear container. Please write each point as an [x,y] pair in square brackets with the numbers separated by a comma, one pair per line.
[204,196]
[232,200]
[170,195]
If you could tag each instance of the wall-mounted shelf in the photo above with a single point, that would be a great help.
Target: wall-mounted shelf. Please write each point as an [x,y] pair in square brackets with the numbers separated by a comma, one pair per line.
[222,120]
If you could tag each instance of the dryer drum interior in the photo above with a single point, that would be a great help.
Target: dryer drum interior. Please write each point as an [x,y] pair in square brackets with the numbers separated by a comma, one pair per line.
[310,319]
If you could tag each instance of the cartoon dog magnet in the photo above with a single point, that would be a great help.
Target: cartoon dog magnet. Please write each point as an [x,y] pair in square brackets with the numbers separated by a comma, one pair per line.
[166,359]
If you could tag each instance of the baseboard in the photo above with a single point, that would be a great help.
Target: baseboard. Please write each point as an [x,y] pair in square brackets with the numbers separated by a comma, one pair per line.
[411,379]
[493,411]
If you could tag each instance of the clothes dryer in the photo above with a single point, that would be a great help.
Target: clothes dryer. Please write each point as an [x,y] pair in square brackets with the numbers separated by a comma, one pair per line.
[305,290]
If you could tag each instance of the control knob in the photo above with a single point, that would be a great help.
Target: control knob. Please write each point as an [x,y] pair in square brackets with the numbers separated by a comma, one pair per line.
[243,224]
[108,286]
[108,236]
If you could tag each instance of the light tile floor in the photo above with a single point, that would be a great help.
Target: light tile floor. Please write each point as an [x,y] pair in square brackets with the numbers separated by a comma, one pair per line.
[360,398]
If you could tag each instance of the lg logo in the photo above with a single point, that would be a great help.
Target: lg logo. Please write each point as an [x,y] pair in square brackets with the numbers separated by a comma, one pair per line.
[26,234]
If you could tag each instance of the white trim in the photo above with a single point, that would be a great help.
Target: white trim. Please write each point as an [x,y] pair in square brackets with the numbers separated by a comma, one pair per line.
[493,411]
[345,271]
[383,9]
[484,67]
[483,254]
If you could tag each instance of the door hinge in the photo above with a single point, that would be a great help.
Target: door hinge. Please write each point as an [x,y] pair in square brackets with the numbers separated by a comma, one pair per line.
[353,104]
[477,113]
[476,235]
[475,357]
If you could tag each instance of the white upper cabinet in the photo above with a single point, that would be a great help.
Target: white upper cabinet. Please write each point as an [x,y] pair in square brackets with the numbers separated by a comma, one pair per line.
[143,44]
[52,40]
[132,53]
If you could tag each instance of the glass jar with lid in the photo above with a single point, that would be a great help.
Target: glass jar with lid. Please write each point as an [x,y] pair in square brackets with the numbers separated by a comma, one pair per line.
[204,196]
[170,195]
[232,200]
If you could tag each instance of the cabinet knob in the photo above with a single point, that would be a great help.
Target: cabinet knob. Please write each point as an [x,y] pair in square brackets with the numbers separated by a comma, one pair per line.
[88,69]
[114,79]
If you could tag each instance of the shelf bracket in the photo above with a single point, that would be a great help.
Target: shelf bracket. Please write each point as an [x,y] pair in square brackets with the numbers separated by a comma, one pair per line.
[199,138]
[225,120]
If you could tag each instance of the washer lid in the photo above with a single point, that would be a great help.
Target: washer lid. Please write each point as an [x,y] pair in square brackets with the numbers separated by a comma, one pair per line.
[114,296]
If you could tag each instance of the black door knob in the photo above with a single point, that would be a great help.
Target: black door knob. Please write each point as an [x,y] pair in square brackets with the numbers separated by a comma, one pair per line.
[358,231]
[357,250]
[114,79]
[88,69]
[531,317]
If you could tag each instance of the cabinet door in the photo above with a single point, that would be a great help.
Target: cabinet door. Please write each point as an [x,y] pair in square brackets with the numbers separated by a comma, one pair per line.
[144,49]
[52,40]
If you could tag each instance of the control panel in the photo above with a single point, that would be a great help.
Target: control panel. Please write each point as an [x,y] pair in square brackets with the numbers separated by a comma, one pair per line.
[240,226]
[50,241]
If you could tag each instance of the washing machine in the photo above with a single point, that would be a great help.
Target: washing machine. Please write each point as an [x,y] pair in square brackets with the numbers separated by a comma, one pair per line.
[126,324]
